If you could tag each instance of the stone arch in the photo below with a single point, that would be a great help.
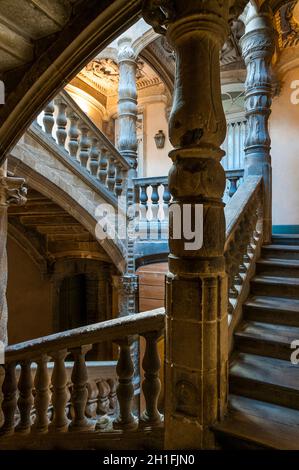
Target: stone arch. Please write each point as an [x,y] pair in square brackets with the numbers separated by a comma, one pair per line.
[48,176]
[82,37]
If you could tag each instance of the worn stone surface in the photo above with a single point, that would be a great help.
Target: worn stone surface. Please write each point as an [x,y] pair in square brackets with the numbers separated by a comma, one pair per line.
[12,191]
[196,299]
[47,171]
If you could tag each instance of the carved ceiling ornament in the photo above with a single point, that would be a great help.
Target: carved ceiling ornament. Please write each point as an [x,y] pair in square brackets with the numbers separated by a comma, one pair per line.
[103,75]
[287,25]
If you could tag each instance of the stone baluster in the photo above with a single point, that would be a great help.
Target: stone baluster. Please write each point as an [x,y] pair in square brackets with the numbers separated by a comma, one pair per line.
[143,200]
[155,201]
[48,118]
[84,145]
[60,392]
[151,384]
[166,201]
[233,185]
[111,174]
[112,395]
[229,270]
[118,179]
[238,258]
[79,394]
[196,295]
[42,394]
[103,166]
[25,400]
[61,122]
[125,388]
[103,404]
[73,144]
[9,404]
[258,46]
[94,157]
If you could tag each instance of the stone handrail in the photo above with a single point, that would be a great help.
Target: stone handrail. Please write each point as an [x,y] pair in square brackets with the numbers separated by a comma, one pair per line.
[244,214]
[65,124]
[18,400]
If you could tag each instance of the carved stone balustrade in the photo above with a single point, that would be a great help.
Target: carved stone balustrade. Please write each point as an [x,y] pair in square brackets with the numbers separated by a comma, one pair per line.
[152,197]
[244,228]
[73,403]
[84,145]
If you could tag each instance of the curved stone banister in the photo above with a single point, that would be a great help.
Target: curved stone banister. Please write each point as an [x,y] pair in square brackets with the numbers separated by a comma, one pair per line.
[64,127]
[18,401]
[103,140]
[236,207]
[244,236]
[114,329]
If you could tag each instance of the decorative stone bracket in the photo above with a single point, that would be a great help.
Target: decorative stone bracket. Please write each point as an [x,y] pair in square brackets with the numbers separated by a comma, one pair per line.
[12,191]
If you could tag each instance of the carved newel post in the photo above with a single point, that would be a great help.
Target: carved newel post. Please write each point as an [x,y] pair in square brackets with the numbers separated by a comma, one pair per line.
[196,298]
[12,191]
[127,146]
[258,45]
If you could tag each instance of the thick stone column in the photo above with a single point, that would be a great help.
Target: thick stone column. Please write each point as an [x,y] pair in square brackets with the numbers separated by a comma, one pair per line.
[127,103]
[127,146]
[258,45]
[196,298]
[12,191]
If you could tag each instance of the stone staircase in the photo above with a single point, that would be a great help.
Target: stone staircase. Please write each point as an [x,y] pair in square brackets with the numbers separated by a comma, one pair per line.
[264,384]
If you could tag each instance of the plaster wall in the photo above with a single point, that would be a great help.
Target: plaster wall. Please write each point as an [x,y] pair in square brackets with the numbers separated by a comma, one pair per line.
[28,296]
[284,125]
[156,161]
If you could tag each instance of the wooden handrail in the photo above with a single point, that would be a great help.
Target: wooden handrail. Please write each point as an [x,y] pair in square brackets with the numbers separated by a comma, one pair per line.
[108,330]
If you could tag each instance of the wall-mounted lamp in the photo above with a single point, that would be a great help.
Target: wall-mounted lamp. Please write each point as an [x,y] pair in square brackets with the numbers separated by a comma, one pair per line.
[160,139]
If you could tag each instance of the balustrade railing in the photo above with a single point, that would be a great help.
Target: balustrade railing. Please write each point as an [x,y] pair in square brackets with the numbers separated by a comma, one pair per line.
[152,197]
[83,143]
[243,214]
[26,397]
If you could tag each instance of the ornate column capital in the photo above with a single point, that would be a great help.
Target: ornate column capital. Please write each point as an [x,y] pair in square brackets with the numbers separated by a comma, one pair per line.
[125,50]
[12,191]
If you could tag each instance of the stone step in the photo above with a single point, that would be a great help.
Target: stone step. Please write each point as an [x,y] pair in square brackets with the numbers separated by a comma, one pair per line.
[265,378]
[277,310]
[266,339]
[280,251]
[278,267]
[285,239]
[280,286]
[257,424]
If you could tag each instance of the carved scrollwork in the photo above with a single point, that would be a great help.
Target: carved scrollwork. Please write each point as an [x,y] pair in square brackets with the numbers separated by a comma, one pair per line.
[129,284]
[158,13]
